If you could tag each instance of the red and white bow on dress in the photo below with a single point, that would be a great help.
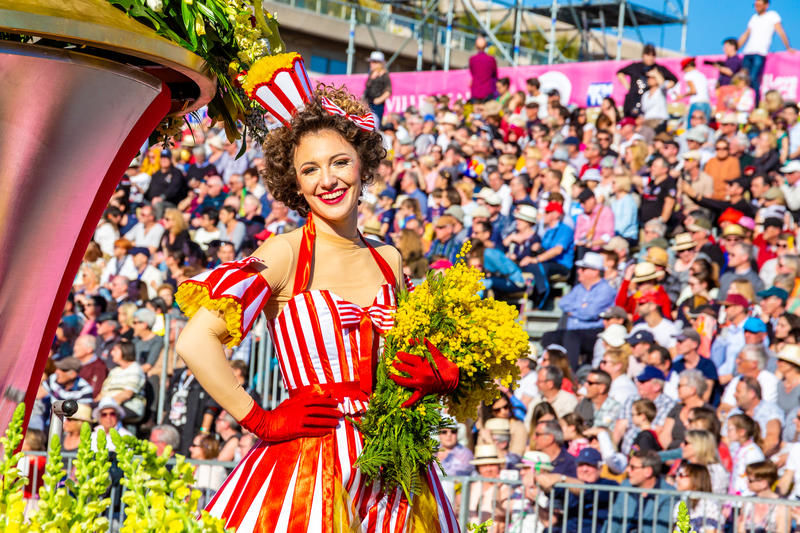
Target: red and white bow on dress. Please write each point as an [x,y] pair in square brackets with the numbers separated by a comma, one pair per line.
[365,122]
[381,316]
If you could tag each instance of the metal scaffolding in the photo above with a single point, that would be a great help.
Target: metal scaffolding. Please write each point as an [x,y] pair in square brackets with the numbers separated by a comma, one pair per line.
[590,23]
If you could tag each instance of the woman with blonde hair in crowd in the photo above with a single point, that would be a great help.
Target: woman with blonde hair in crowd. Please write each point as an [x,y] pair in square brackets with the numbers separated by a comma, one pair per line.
[636,156]
[615,362]
[700,447]
[705,515]
[125,318]
[764,517]
[176,235]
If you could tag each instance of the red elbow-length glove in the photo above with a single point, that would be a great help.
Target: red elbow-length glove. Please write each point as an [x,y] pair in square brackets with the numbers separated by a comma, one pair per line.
[425,378]
[301,416]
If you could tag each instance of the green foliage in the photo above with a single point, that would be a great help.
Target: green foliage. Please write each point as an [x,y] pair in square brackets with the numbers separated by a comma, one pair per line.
[157,499]
[480,528]
[683,524]
[12,506]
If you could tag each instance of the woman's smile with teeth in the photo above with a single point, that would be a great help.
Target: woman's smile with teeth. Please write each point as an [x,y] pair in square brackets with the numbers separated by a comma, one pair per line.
[333,196]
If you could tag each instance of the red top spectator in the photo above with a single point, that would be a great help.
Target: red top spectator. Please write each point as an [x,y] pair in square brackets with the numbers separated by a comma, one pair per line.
[483,69]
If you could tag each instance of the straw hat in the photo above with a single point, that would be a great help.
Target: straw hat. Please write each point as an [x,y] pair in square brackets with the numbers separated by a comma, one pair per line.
[492,108]
[790,353]
[498,425]
[486,454]
[645,271]
[683,241]
[373,227]
[83,414]
[658,256]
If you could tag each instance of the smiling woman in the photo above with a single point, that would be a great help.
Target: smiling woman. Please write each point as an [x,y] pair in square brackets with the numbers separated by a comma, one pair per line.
[282,151]
[328,294]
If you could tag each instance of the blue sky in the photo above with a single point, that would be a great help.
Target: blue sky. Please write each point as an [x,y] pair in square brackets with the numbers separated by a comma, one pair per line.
[711,21]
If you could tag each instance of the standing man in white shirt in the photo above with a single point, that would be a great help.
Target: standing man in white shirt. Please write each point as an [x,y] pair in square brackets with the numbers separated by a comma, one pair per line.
[758,38]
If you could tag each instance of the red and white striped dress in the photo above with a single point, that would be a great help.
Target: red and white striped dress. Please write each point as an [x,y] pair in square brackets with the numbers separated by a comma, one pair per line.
[325,342]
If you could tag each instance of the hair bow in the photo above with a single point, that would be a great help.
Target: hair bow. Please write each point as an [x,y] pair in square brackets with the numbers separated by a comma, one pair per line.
[365,122]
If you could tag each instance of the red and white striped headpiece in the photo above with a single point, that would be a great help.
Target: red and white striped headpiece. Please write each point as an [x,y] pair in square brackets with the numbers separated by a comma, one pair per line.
[365,122]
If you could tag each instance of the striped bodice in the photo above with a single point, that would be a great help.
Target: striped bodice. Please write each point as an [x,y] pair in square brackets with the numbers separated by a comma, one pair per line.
[318,339]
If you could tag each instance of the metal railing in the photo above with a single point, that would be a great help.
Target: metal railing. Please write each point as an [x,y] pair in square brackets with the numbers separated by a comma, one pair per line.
[404,26]
[566,508]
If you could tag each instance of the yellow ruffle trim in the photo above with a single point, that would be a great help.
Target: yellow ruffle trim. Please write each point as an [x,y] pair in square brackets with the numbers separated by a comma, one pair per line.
[192,296]
[264,69]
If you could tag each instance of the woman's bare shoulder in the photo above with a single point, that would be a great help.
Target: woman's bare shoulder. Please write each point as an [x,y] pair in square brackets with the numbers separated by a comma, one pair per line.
[390,254]
[279,254]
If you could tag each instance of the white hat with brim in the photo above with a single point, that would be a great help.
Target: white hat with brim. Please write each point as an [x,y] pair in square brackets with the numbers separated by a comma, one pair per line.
[791,166]
[377,56]
[591,260]
[790,354]
[108,403]
[538,460]
[486,454]
[683,241]
[526,212]
[83,414]
[614,335]
[645,272]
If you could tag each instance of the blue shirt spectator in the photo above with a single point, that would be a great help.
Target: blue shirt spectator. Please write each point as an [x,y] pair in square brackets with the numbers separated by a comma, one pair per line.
[496,263]
[560,235]
[584,304]
[626,216]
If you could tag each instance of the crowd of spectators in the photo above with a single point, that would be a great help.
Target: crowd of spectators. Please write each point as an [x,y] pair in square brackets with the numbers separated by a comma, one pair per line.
[663,235]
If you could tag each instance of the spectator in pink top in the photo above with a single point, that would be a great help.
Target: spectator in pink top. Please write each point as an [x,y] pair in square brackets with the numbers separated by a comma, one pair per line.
[483,69]
[595,226]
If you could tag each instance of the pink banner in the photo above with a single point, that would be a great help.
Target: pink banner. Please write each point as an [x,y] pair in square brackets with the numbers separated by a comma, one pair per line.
[583,84]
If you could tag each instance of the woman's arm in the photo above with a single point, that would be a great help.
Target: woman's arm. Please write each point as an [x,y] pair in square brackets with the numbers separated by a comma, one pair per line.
[200,346]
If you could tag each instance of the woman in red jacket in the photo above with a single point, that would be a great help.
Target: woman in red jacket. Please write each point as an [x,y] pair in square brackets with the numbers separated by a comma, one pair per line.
[646,277]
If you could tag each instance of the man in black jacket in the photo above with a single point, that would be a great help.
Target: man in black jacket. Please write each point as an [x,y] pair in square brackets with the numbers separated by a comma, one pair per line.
[168,183]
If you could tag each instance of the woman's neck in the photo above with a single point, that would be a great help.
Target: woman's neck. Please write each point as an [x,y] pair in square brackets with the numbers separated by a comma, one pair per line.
[346,229]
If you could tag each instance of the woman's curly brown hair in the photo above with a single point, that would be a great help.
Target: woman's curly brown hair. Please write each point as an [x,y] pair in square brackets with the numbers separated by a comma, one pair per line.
[279,173]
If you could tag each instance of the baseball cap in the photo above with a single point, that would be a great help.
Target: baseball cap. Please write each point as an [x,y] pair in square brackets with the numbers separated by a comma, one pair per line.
[489,196]
[589,456]
[650,372]
[572,141]
[591,174]
[773,193]
[693,155]
[791,166]
[614,335]
[140,250]
[554,207]
[774,291]
[377,56]
[741,181]
[627,121]
[166,153]
[614,311]
[754,325]
[688,333]
[106,316]
[736,299]
[639,337]
[68,363]
[481,212]
[388,193]
[696,134]
[456,212]
[700,224]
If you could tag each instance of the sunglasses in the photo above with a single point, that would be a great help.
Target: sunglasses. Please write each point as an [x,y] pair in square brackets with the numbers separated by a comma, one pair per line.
[722,148]
[635,467]
[593,382]
[500,408]
[447,431]
[107,414]
[683,474]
